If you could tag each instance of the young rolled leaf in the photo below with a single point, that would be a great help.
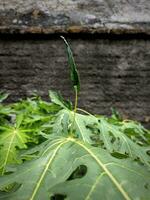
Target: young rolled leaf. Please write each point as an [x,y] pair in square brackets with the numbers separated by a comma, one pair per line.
[57,173]
[73,70]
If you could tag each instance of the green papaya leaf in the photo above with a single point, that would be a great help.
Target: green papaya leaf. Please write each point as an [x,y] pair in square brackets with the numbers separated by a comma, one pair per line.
[35,116]
[11,139]
[136,132]
[70,169]
[61,124]
[115,114]
[100,132]
[5,110]
[58,100]
[3,96]
[64,121]
[116,140]
[74,73]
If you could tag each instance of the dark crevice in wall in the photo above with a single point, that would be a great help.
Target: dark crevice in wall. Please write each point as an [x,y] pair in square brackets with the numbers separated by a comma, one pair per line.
[83,36]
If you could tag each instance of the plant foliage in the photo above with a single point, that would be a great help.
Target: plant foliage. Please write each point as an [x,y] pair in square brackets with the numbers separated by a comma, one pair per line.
[52,151]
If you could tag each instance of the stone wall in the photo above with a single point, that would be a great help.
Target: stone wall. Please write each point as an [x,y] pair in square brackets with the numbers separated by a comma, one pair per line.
[111,45]
[75,16]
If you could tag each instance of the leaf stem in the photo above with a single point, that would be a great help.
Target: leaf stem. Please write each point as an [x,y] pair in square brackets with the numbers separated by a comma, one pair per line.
[76,100]
[75,109]
[84,111]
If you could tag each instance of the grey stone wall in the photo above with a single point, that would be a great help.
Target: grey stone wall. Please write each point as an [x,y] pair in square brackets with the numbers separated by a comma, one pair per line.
[115,71]
[75,16]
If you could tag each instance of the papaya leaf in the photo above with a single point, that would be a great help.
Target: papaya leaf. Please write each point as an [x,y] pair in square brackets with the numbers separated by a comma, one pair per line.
[61,124]
[58,100]
[5,110]
[11,139]
[35,116]
[136,132]
[115,114]
[98,131]
[3,96]
[74,73]
[71,169]
[115,140]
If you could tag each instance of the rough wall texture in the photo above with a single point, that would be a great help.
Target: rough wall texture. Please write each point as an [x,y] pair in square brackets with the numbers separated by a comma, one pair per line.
[113,72]
[48,16]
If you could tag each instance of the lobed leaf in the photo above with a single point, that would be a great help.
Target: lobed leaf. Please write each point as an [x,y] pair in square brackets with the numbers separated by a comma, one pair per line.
[100,132]
[22,125]
[58,100]
[11,140]
[52,175]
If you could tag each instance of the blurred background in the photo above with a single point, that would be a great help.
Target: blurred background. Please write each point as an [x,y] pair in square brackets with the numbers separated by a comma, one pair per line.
[111,45]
